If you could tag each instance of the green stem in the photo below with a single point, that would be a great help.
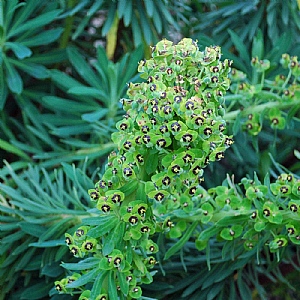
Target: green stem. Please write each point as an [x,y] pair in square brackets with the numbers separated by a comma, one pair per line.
[64,40]
[259,108]
[287,79]
[262,79]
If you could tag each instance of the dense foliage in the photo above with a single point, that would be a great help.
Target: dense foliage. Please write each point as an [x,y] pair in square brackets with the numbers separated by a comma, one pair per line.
[65,66]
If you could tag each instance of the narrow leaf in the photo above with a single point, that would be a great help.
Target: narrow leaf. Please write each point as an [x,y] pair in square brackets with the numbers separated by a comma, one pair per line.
[44,38]
[97,286]
[37,22]
[83,68]
[19,50]
[13,149]
[84,279]
[87,91]
[240,46]
[178,245]
[13,78]
[100,230]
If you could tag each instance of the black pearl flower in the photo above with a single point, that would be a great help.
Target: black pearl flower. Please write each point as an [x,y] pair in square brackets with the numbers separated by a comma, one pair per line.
[177,99]
[207,131]
[116,198]
[166,180]
[133,220]
[105,208]
[79,232]
[163,129]
[293,208]
[141,210]
[145,129]
[127,145]
[187,137]
[159,197]
[176,169]
[175,126]
[146,139]
[161,143]
[140,158]
[189,105]
[127,172]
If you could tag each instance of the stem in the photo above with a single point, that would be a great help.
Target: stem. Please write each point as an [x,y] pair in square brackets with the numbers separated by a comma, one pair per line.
[262,79]
[64,40]
[259,108]
[287,79]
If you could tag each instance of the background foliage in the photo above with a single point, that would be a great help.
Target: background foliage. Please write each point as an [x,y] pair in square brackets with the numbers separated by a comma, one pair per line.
[64,66]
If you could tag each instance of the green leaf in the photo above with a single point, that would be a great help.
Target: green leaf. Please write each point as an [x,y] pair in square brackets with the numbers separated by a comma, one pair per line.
[215,290]
[151,163]
[157,20]
[129,187]
[21,12]
[149,5]
[92,10]
[244,289]
[109,19]
[3,87]
[136,31]
[44,38]
[138,262]
[97,286]
[49,58]
[255,20]
[36,71]
[109,242]
[13,78]
[145,25]
[19,50]
[258,46]
[87,91]
[180,243]
[63,80]
[66,105]
[240,46]
[102,229]
[32,229]
[56,230]
[37,291]
[37,22]
[12,149]
[122,7]
[229,220]
[237,124]
[83,68]
[166,14]
[128,13]
[95,116]
[112,288]
[12,237]
[123,283]
[48,244]
[67,131]
[208,233]
[84,279]
[25,259]
[85,264]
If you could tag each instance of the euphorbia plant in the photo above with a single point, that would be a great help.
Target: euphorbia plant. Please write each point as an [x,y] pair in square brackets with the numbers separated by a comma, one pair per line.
[152,185]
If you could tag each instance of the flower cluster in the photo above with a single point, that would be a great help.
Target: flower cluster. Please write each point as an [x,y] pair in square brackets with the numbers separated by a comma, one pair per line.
[262,215]
[264,100]
[172,129]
